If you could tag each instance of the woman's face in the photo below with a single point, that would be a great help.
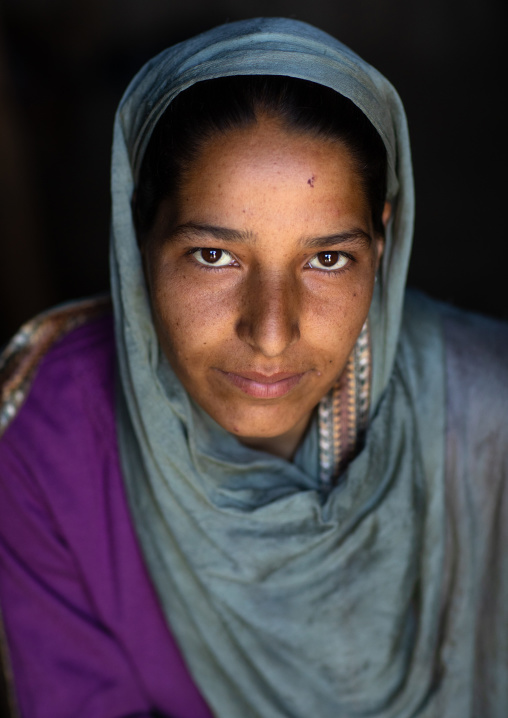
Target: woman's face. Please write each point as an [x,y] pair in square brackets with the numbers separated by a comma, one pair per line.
[261,274]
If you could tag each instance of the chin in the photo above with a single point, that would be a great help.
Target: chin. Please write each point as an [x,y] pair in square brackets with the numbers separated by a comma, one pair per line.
[266,428]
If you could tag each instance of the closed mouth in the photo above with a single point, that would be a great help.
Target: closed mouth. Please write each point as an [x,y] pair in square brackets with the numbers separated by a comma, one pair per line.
[263,386]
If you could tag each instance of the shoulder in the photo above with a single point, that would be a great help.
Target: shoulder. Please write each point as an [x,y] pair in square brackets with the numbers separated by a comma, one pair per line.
[475,356]
[58,446]
[476,345]
[69,345]
[477,379]
[473,343]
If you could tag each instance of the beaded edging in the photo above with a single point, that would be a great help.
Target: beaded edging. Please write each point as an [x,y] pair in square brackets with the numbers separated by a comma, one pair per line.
[21,358]
[344,413]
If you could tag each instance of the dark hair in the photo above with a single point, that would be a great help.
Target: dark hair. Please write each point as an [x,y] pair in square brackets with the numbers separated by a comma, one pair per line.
[215,106]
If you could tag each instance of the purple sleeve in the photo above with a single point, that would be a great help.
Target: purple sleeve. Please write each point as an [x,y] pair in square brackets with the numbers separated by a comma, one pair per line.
[66,662]
[85,631]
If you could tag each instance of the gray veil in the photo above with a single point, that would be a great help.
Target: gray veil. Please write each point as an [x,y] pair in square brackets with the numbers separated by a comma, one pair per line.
[286,601]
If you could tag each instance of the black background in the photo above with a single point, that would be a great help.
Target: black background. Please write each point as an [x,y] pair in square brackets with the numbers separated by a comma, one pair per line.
[65,63]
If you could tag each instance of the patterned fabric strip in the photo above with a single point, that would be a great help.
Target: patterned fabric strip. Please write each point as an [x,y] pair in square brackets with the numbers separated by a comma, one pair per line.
[21,357]
[344,413]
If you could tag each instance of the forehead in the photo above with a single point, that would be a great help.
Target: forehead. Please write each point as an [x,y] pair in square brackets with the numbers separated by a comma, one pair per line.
[264,180]
[272,160]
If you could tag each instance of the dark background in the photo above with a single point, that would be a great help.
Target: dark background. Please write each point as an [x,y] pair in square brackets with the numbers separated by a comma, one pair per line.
[65,63]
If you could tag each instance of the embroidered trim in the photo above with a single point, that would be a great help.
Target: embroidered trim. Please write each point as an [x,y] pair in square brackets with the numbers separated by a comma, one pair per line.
[20,359]
[344,413]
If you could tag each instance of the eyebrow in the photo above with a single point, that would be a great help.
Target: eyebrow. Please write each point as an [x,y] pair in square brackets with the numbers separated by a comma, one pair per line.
[330,240]
[226,234]
[223,233]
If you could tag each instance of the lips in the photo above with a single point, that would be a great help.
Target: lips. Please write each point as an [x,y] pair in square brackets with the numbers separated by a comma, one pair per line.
[263,386]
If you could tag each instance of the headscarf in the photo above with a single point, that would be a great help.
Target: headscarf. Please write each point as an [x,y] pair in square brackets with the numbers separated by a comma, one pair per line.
[286,600]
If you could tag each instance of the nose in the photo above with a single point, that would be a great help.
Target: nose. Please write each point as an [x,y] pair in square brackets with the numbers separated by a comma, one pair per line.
[269,316]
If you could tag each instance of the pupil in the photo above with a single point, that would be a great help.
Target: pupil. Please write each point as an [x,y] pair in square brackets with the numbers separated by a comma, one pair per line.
[328,259]
[211,255]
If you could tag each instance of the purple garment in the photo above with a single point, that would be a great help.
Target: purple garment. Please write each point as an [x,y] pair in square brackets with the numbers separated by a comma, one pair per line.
[85,631]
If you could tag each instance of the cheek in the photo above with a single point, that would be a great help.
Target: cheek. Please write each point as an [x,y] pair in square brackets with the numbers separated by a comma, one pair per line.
[177,326]
[190,321]
[336,315]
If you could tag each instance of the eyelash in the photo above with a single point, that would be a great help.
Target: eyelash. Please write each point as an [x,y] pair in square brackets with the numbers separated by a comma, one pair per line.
[208,267]
[211,268]
[334,272]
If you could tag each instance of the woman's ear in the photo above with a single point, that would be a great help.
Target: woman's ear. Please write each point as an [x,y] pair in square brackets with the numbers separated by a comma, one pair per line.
[387,213]
[385,217]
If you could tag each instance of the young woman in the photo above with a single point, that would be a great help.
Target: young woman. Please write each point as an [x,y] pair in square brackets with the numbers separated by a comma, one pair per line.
[278,488]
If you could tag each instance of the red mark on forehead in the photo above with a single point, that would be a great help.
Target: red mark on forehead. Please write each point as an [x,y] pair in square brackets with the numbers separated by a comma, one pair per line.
[310,181]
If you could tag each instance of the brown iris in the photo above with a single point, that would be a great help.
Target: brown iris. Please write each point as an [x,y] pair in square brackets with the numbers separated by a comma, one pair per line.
[211,255]
[328,259]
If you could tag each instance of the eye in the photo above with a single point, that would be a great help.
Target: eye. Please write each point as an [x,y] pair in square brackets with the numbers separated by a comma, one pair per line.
[213,257]
[329,261]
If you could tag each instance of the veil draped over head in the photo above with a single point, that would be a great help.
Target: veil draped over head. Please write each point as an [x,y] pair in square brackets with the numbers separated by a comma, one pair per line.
[287,600]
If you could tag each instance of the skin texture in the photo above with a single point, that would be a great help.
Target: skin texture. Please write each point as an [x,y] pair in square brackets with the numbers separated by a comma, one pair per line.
[253,323]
